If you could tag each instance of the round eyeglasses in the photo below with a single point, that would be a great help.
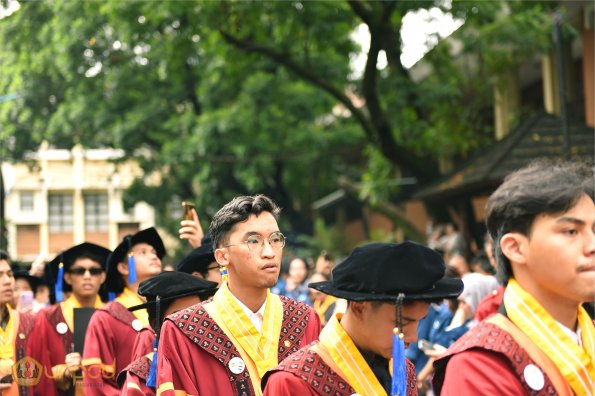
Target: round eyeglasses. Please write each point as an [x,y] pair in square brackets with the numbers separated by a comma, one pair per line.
[255,243]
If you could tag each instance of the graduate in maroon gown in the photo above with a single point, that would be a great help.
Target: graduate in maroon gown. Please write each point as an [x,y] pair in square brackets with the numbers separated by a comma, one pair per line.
[113,329]
[386,285]
[15,329]
[81,271]
[166,293]
[225,345]
[542,341]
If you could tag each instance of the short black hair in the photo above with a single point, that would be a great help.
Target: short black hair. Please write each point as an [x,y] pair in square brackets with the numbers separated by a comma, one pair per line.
[4,256]
[236,211]
[542,187]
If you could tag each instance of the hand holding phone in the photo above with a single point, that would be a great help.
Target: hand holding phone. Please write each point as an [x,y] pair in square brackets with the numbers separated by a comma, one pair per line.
[191,228]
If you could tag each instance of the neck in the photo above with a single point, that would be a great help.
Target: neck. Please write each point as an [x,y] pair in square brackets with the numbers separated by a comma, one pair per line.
[86,301]
[133,287]
[251,297]
[563,311]
[353,329]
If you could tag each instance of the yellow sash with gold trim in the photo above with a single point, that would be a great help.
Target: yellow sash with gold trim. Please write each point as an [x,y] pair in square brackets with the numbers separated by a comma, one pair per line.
[7,340]
[260,348]
[353,367]
[128,298]
[576,364]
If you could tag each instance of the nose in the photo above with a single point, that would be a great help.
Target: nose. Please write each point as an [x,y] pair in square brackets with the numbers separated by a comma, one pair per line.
[590,243]
[267,249]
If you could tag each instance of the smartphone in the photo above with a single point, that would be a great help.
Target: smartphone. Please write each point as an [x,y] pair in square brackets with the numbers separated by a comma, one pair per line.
[425,345]
[25,303]
[187,209]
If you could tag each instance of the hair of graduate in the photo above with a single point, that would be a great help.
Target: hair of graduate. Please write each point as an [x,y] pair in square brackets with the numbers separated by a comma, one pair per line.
[4,256]
[236,211]
[541,188]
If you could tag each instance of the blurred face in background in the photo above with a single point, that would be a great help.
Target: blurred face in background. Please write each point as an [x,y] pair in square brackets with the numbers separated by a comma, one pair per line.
[316,295]
[324,265]
[298,270]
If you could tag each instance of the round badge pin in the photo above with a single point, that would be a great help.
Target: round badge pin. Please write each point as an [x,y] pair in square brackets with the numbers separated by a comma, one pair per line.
[61,328]
[137,325]
[534,377]
[236,365]
[22,336]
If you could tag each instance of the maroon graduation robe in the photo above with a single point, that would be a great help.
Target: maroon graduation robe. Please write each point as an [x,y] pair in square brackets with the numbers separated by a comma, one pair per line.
[49,347]
[133,379]
[486,361]
[194,353]
[304,373]
[108,344]
[23,337]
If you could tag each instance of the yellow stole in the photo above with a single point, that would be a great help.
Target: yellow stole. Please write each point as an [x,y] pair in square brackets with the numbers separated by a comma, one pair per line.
[353,367]
[70,304]
[321,306]
[128,298]
[259,351]
[576,364]
[7,339]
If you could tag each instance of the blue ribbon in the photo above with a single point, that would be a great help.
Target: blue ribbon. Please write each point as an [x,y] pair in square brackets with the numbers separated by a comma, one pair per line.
[59,287]
[152,377]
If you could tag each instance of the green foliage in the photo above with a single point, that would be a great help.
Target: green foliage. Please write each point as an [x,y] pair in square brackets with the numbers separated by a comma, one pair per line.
[239,97]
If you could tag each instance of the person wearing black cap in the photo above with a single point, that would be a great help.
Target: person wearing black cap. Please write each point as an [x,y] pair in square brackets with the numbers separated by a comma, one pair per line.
[113,329]
[15,329]
[388,287]
[81,271]
[201,262]
[223,347]
[166,293]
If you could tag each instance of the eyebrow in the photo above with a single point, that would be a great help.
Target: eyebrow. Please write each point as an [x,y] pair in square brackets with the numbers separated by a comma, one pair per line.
[572,220]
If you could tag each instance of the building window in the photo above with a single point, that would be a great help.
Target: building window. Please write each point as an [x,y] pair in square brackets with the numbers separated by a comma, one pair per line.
[26,198]
[96,212]
[60,212]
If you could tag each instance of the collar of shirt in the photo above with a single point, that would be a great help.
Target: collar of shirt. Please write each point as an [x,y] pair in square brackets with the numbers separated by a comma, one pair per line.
[255,317]
[575,335]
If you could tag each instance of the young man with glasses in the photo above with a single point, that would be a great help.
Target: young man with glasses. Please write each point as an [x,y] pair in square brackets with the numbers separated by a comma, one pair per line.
[224,346]
[81,271]
[113,329]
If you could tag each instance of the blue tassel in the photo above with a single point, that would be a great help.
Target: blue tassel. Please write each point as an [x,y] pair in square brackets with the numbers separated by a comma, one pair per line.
[59,287]
[131,270]
[111,296]
[399,385]
[152,377]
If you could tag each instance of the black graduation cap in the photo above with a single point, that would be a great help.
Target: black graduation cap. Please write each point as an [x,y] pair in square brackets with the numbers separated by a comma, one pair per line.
[199,259]
[63,261]
[160,291]
[114,282]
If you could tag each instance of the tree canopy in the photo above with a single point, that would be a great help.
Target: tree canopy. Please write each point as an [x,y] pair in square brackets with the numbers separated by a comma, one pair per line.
[227,98]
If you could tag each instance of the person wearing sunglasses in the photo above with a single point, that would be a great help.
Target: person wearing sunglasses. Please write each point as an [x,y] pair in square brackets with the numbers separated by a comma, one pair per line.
[113,329]
[79,271]
[225,345]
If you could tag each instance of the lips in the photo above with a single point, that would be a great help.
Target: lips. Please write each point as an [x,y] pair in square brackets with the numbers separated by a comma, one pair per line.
[269,266]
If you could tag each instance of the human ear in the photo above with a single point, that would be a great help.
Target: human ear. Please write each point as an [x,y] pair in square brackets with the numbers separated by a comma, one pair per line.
[67,279]
[122,268]
[222,256]
[513,245]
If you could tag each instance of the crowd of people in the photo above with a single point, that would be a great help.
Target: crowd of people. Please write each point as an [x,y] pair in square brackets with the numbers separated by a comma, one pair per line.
[390,319]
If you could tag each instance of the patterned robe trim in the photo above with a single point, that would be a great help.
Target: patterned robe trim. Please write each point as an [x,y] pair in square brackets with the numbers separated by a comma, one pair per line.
[201,329]
[26,322]
[55,316]
[490,337]
[119,312]
[307,365]
[140,367]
